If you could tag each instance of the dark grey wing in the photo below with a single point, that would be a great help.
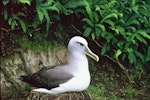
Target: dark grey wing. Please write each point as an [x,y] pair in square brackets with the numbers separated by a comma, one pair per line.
[48,78]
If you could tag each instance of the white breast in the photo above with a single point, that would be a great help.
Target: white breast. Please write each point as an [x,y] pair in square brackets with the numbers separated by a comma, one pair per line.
[79,83]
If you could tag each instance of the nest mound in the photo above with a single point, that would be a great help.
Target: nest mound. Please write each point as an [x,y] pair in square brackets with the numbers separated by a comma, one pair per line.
[64,96]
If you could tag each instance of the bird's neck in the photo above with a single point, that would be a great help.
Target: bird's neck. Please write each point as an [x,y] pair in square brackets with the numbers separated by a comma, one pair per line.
[78,60]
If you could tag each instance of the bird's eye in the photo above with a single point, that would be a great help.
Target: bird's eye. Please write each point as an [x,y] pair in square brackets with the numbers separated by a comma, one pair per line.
[80,44]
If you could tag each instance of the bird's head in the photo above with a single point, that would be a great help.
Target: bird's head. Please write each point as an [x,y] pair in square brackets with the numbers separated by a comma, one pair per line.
[79,44]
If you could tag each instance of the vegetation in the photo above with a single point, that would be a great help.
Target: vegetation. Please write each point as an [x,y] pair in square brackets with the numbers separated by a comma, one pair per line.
[119,28]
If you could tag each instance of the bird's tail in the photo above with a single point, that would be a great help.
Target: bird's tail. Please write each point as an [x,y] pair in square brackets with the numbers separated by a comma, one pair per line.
[24,79]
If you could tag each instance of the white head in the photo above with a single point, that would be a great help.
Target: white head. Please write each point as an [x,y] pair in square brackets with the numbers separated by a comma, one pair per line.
[79,44]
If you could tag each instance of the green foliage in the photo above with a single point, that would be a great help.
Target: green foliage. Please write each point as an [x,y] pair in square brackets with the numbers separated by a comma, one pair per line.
[28,87]
[18,18]
[25,1]
[15,21]
[97,91]
[129,90]
[34,41]
[43,8]
[123,25]
[96,15]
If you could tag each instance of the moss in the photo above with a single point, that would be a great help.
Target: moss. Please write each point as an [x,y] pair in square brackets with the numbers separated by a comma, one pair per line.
[35,41]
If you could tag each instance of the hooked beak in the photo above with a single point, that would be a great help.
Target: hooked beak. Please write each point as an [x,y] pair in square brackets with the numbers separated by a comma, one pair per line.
[91,54]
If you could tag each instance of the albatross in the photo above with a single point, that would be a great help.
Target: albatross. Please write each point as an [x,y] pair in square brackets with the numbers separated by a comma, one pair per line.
[72,77]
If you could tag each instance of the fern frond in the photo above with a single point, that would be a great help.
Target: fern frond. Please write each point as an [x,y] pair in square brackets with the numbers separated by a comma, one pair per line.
[88,10]
[109,16]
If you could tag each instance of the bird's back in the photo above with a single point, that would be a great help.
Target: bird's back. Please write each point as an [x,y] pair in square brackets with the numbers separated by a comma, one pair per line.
[49,77]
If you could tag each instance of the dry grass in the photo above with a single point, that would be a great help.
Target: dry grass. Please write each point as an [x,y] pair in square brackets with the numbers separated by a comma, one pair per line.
[65,96]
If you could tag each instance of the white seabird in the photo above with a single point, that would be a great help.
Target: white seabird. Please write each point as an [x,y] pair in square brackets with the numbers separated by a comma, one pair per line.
[72,77]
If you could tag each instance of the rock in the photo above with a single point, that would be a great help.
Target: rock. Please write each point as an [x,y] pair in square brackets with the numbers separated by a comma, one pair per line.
[13,66]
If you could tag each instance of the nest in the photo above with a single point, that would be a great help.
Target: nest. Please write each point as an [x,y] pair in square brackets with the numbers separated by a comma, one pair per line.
[64,96]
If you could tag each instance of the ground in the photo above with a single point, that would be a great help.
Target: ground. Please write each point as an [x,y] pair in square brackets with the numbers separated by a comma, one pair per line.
[109,83]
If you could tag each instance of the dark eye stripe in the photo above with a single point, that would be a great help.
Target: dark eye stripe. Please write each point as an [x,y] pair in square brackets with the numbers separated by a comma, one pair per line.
[81,44]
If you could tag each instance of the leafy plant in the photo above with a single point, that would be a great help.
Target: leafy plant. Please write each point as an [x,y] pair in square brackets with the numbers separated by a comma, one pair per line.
[16,18]
[96,16]
[43,9]
[15,21]
[25,1]
[123,26]
[120,27]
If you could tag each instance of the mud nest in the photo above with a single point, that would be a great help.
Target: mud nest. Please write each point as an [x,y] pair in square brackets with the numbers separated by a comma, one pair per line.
[64,96]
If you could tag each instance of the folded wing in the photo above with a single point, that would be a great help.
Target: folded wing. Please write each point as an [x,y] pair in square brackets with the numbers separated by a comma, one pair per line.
[49,77]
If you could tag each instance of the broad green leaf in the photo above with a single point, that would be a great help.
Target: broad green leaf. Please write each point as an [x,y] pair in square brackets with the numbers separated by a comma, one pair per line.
[128,49]
[102,27]
[109,36]
[115,29]
[40,13]
[15,17]
[139,54]
[120,44]
[105,48]
[88,10]
[93,36]
[98,32]
[87,31]
[144,34]
[5,2]
[117,53]
[74,4]
[124,56]
[147,22]
[110,22]
[133,3]
[23,25]
[109,16]
[88,21]
[141,39]
[121,30]
[99,10]
[36,23]
[48,3]
[135,8]
[5,14]
[21,14]
[132,57]
[25,2]
[132,22]
[47,17]
[128,33]
[148,54]
[111,3]
[96,17]
[52,8]
[131,28]
[10,21]
[47,26]
[13,24]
